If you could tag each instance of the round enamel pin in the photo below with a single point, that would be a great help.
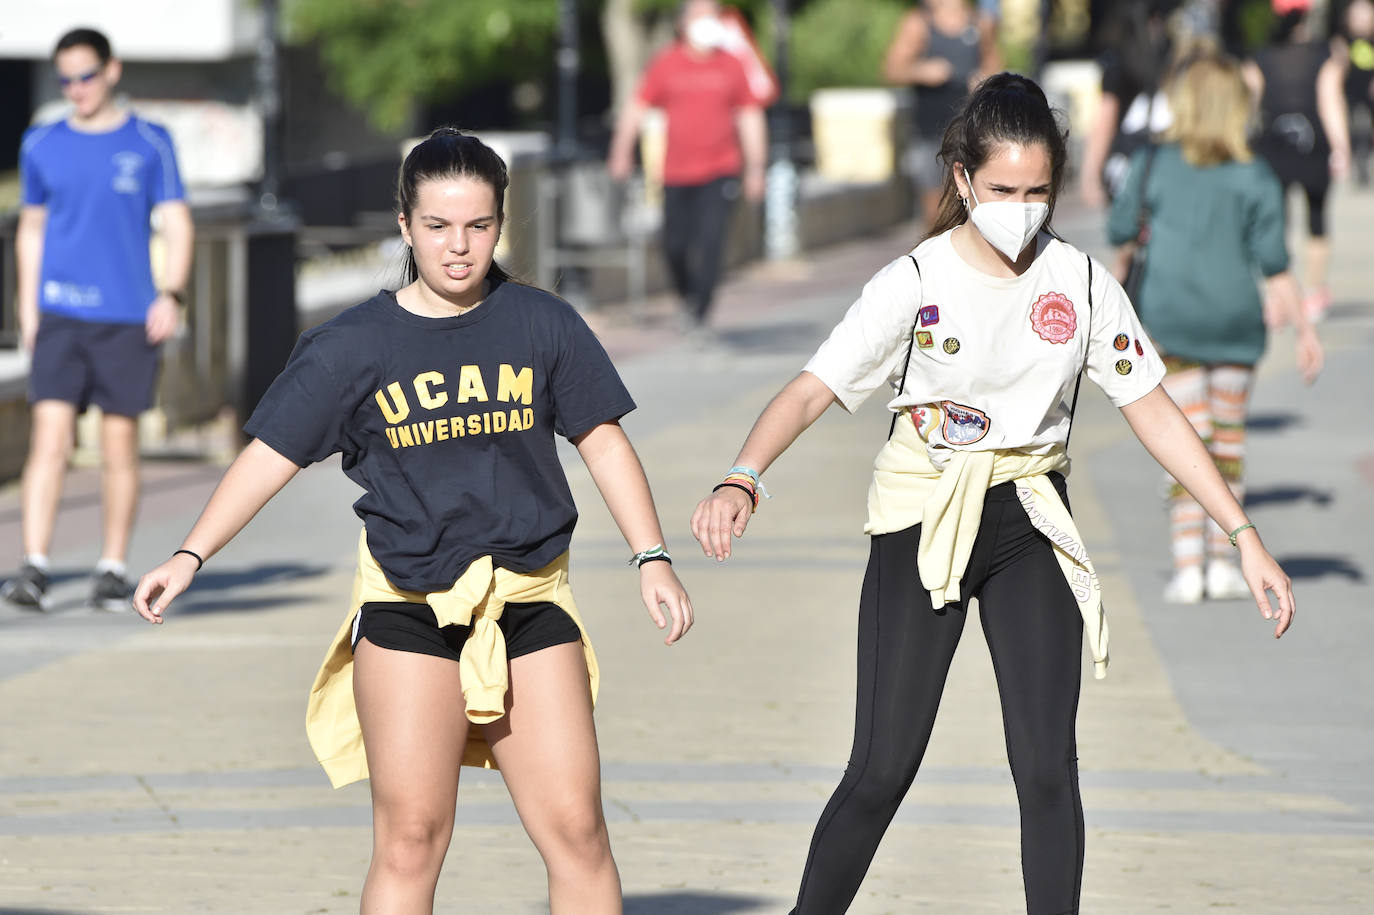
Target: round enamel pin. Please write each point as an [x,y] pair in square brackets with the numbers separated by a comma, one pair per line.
[951,345]
[1123,366]
[1121,342]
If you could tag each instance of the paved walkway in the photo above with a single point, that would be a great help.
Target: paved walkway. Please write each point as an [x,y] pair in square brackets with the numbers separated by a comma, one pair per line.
[166,770]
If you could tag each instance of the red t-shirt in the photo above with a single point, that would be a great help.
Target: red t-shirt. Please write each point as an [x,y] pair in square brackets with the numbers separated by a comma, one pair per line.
[700,96]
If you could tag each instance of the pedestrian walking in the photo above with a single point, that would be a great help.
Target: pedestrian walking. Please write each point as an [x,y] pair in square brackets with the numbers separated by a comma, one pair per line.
[941,49]
[1215,222]
[982,333]
[1357,45]
[717,147]
[90,316]
[1131,107]
[461,644]
[1304,133]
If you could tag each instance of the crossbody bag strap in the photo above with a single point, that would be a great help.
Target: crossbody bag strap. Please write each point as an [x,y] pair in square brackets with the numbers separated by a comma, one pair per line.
[1073,405]
[910,344]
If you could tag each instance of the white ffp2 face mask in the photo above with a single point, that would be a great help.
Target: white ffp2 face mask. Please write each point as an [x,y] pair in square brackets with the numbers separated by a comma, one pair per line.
[1008,225]
[706,33]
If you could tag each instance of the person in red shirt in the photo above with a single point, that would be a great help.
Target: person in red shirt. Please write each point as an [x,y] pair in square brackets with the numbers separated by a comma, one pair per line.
[717,146]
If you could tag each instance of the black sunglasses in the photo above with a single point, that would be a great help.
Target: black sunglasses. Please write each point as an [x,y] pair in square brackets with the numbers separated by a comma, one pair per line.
[83,78]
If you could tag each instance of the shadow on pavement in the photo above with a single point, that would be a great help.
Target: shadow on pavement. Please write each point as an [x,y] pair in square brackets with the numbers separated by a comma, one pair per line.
[787,337]
[1280,495]
[686,904]
[1321,567]
[1271,422]
[206,596]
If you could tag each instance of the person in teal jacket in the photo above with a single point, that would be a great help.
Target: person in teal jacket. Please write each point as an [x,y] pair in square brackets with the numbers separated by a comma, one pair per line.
[1215,228]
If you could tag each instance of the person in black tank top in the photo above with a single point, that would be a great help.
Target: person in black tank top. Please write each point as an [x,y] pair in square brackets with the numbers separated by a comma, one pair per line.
[1303,134]
[941,49]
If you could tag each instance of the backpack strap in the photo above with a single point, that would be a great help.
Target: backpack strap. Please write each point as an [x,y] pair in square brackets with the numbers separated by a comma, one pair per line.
[1073,405]
[911,342]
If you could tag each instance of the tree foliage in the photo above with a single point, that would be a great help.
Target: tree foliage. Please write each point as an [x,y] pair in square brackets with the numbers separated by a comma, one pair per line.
[840,43]
[386,56]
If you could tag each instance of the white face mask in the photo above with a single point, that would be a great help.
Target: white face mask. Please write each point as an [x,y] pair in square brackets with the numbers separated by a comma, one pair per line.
[706,33]
[1008,225]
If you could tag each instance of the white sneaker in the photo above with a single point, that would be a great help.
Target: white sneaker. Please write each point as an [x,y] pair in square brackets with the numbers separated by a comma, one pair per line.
[1224,581]
[1185,587]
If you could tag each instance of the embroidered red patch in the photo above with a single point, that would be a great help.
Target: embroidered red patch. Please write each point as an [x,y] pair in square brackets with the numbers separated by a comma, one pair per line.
[1053,318]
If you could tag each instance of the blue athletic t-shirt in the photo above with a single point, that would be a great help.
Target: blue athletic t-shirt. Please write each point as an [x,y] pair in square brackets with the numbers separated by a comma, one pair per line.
[448,424]
[99,190]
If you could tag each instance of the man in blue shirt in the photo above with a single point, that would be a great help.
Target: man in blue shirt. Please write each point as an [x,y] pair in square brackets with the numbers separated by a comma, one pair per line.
[89,313]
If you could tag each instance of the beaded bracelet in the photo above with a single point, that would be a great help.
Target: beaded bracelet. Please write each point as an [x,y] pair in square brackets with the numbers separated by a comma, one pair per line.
[1236,533]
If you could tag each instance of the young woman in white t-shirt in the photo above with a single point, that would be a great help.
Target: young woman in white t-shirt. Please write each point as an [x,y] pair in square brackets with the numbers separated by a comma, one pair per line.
[982,333]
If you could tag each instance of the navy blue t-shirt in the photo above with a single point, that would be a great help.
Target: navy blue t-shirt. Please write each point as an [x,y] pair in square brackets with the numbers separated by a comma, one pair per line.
[448,423]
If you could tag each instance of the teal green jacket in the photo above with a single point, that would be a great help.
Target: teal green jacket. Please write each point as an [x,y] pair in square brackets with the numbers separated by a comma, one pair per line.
[1214,232]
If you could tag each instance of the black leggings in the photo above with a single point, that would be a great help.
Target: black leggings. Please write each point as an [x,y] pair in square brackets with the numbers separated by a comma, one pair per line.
[696,220]
[1035,635]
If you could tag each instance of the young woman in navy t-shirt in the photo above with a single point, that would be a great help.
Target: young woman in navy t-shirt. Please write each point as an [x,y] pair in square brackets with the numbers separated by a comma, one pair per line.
[443,399]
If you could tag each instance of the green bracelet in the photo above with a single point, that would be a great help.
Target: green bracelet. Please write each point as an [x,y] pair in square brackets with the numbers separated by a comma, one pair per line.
[1235,533]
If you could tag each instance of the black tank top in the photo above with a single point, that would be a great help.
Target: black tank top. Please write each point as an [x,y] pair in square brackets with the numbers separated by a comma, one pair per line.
[937,105]
[1288,107]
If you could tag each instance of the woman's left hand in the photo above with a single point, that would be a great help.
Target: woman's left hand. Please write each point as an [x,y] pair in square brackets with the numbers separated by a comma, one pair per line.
[1262,573]
[1311,357]
[659,586]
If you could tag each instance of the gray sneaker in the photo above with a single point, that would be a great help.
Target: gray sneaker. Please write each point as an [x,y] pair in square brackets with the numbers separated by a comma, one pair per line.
[112,592]
[28,589]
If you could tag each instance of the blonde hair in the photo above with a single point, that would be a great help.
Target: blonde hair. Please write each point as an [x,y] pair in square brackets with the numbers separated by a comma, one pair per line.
[1211,109]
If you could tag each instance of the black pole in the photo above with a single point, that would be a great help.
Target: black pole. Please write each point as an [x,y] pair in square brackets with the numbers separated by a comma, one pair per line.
[780,191]
[268,73]
[782,41]
[1041,50]
[569,60]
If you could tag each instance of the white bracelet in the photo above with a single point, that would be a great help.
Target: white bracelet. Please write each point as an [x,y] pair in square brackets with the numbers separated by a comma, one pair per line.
[753,475]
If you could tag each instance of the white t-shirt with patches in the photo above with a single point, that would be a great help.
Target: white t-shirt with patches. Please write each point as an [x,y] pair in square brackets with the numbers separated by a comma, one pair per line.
[993,360]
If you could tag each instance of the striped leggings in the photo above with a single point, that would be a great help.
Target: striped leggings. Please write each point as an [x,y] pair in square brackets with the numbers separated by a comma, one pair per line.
[1214,398]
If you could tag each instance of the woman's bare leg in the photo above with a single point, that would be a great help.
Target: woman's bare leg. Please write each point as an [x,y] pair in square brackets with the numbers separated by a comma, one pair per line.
[546,748]
[411,709]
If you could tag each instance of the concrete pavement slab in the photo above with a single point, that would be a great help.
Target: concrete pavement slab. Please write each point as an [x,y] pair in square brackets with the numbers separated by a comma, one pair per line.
[165,769]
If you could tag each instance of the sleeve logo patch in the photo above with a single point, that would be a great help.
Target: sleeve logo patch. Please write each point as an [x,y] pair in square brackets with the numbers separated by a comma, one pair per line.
[930,315]
[1123,366]
[1121,342]
[1053,318]
[963,425]
[951,345]
[924,340]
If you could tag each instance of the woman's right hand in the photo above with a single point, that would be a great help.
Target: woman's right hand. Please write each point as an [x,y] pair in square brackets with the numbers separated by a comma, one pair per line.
[724,512]
[163,584]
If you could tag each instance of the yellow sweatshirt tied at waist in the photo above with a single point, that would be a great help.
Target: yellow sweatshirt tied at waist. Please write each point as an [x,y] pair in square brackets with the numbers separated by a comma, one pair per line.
[947,501]
[477,599]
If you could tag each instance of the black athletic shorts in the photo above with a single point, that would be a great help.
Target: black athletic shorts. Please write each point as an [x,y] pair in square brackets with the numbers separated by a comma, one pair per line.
[413,627]
[84,362]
